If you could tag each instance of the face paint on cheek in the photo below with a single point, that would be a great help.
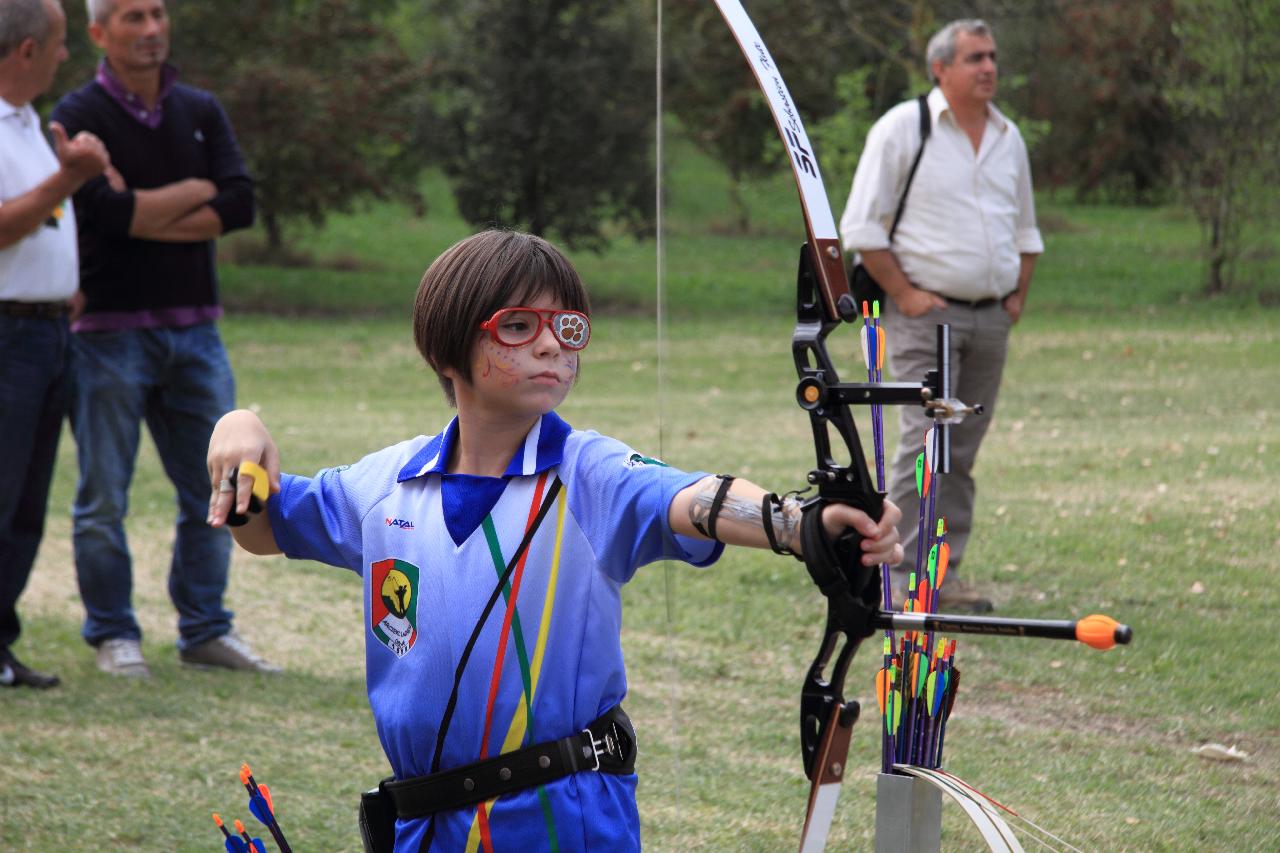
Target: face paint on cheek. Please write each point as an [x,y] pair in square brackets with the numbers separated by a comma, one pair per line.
[501,360]
[571,362]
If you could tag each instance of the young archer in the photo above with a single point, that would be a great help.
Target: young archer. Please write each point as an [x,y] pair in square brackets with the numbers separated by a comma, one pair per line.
[493,556]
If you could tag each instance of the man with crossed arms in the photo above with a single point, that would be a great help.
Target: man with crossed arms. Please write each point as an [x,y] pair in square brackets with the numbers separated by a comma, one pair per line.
[147,346]
[963,254]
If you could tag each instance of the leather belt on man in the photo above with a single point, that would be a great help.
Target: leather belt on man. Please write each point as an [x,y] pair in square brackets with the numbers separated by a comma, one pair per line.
[47,310]
[975,303]
[607,745]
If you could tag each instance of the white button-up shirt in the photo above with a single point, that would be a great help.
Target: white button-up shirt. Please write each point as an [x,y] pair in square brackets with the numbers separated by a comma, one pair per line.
[43,266]
[969,216]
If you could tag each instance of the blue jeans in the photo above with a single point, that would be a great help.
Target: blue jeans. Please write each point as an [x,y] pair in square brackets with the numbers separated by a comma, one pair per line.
[180,382]
[34,394]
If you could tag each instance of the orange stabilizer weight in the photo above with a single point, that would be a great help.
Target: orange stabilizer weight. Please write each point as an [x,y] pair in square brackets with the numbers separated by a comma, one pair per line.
[1102,632]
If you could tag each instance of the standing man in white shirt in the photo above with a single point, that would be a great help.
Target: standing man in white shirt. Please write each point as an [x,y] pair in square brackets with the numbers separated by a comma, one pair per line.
[39,274]
[963,253]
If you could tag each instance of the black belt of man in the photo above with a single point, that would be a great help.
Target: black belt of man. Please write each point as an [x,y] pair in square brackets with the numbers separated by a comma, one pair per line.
[607,745]
[47,310]
[975,303]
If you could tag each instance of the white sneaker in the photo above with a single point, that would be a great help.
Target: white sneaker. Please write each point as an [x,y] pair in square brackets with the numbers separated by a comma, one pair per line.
[121,656]
[229,651]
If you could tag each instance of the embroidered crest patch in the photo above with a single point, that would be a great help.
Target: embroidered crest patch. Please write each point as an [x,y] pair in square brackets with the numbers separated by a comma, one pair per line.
[635,460]
[393,616]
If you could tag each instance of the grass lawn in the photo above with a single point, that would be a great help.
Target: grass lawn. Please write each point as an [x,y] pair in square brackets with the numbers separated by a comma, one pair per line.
[1130,469]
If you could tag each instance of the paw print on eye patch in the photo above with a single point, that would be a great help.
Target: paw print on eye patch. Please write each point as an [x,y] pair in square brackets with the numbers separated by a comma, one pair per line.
[572,330]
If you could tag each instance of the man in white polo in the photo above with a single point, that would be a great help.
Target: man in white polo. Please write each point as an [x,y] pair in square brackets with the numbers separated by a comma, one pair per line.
[963,253]
[39,273]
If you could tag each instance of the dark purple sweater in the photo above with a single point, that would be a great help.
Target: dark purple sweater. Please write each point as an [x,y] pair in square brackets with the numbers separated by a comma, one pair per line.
[121,275]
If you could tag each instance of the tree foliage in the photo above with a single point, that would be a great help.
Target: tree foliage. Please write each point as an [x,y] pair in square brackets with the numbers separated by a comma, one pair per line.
[315,89]
[1223,96]
[542,115]
[1100,79]
[710,88]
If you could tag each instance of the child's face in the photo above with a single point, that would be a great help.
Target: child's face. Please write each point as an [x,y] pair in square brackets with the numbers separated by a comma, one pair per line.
[519,381]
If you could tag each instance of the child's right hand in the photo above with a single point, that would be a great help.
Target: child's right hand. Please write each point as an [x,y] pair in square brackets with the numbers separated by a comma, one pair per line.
[238,436]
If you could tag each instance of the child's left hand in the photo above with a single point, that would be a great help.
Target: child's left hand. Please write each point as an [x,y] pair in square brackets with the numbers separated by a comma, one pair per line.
[879,540]
[238,436]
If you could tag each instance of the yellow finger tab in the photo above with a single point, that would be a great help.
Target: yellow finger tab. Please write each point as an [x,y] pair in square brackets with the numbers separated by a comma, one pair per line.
[257,498]
[261,482]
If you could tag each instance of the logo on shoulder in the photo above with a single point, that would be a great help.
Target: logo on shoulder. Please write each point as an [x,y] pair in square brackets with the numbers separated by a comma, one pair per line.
[402,523]
[635,460]
[393,616]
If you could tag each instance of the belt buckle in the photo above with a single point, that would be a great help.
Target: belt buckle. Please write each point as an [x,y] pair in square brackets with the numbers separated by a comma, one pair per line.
[608,742]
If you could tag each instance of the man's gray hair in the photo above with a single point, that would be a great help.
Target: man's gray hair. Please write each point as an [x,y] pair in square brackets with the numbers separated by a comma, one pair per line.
[21,20]
[942,47]
[99,10]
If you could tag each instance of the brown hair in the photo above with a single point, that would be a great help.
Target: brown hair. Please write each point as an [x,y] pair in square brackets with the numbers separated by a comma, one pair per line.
[475,277]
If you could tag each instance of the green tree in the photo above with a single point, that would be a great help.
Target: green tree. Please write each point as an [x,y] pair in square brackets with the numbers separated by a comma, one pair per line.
[317,92]
[1223,97]
[1099,74]
[541,114]
[710,88]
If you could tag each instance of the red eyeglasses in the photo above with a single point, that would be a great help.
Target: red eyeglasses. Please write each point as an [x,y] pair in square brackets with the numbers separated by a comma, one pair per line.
[518,325]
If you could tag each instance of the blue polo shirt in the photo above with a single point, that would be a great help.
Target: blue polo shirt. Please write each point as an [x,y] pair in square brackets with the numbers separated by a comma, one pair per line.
[430,547]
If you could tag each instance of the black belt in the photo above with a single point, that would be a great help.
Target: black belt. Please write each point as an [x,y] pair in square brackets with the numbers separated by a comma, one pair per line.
[975,303]
[48,310]
[607,745]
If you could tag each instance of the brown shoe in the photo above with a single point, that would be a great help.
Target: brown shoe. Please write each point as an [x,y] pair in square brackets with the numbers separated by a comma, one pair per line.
[958,596]
[226,652]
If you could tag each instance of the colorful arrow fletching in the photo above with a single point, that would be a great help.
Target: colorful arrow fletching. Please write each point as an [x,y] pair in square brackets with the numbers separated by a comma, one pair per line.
[259,808]
[884,683]
[266,795]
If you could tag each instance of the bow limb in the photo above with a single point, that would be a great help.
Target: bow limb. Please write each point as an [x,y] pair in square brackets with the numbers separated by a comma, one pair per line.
[823,303]
[822,238]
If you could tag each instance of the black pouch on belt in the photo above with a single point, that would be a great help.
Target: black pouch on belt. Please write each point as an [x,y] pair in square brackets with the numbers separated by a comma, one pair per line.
[377,821]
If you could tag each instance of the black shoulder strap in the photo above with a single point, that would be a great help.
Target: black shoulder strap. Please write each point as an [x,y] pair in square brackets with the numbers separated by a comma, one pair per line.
[925,126]
[484,616]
